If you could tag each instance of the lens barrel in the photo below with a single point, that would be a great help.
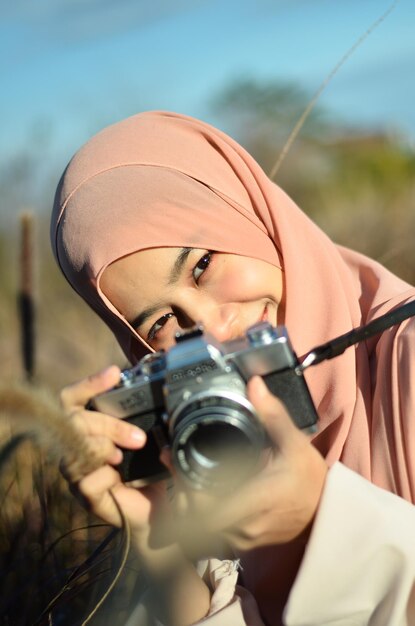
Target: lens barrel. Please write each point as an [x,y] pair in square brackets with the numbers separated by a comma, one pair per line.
[216,439]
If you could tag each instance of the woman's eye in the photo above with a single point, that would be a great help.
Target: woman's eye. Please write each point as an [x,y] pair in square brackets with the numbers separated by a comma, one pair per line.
[158,325]
[202,265]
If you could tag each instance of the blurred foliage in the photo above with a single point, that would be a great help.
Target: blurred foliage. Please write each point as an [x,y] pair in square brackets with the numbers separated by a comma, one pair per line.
[260,116]
[270,107]
[358,185]
[70,342]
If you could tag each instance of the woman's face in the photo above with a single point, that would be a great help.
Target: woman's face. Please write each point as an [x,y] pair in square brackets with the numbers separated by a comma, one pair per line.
[162,290]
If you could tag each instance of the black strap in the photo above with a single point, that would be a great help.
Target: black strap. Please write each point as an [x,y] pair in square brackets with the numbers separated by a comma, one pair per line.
[337,346]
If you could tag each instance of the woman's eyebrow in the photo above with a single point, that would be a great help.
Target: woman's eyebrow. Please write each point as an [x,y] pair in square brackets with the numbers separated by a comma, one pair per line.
[144,315]
[178,265]
[174,276]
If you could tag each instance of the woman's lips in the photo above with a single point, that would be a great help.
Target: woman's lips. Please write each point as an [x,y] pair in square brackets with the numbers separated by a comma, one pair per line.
[264,317]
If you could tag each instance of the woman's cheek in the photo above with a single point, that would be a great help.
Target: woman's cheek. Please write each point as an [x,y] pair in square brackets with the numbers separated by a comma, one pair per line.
[243,285]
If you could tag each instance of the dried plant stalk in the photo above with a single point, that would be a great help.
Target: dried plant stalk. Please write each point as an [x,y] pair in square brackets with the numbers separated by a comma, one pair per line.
[300,123]
[26,295]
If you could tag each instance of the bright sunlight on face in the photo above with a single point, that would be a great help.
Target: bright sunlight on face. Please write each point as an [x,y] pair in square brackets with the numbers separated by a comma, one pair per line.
[163,290]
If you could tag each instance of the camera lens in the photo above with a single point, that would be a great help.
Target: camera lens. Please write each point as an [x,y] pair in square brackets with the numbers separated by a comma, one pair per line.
[214,444]
[216,440]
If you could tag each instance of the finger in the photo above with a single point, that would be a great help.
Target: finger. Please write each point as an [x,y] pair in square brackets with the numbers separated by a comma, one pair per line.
[79,393]
[119,431]
[175,488]
[272,413]
[104,449]
[95,488]
[101,449]
[74,489]
[166,459]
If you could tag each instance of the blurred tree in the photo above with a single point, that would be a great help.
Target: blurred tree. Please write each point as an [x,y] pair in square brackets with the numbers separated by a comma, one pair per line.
[262,114]
[357,184]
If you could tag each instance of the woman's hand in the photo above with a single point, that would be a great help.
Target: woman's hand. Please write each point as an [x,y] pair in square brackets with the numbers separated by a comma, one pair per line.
[176,595]
[105,435]
[279,503]
[275,506]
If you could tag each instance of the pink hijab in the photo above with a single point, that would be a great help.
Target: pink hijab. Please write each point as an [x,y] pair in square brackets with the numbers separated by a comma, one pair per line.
[162,179]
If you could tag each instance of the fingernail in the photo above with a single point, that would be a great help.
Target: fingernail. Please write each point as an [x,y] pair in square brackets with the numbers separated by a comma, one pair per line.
[107,370]
[138,435]
[99,376]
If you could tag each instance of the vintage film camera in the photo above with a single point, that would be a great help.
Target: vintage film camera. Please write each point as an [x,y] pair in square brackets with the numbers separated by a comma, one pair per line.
[193,399]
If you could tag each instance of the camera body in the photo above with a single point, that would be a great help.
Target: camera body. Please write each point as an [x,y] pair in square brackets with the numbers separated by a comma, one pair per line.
[193,399]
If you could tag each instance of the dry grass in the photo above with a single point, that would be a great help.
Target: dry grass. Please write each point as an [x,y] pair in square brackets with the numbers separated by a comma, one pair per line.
[52,551]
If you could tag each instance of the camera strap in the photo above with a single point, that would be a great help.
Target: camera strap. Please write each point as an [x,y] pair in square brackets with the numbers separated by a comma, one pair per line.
[337,346]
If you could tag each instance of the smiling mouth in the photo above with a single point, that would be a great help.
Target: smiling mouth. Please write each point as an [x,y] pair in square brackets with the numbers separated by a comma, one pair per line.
[264,316]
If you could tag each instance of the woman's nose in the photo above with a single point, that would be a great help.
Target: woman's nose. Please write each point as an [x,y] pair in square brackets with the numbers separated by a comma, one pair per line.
[221,321]
[218,319]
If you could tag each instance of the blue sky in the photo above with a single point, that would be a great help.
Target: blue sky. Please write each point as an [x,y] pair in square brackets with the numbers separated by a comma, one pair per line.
[70,67]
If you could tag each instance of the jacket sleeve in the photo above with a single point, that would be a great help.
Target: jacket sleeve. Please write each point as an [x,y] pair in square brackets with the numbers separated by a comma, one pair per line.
[231,605]
[358,568]
[359,565]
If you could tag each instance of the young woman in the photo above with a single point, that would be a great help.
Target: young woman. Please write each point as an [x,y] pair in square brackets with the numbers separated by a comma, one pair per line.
[161,221]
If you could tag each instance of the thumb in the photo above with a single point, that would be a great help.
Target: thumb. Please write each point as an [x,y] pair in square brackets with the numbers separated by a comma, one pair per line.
[271,411]
[79,393]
